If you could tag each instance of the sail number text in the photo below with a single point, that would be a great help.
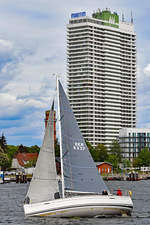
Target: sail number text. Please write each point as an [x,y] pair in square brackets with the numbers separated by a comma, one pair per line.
[79,146]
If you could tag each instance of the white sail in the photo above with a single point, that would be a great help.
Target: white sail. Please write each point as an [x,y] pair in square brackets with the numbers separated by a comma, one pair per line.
[44,185]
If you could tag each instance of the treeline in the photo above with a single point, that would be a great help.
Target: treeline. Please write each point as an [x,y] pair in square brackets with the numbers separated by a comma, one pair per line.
[8,152]
[143,158]
[100,153]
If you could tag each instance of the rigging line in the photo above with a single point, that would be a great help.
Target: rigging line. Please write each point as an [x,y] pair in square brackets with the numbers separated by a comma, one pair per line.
[65,153]
[61,117]
[66,176]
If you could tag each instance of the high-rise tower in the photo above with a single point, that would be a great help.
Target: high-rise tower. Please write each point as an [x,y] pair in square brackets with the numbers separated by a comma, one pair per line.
[102,74]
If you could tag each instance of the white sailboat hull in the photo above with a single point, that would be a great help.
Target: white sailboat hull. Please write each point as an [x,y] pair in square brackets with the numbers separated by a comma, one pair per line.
[82,206]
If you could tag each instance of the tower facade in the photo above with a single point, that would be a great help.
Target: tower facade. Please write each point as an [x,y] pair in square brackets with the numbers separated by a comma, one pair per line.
[101,60]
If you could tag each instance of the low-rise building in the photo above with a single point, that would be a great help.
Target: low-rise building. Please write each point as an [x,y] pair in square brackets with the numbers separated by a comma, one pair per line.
[104,167]
[21,159]
[133,140]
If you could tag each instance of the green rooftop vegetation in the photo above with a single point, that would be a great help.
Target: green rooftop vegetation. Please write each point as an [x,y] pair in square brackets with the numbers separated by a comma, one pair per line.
[109,18]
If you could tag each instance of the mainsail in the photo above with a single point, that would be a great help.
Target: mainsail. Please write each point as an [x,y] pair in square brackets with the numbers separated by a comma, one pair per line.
[44,184]
[80,172]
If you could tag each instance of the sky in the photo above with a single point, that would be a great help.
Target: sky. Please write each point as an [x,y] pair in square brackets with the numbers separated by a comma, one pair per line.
[33,51]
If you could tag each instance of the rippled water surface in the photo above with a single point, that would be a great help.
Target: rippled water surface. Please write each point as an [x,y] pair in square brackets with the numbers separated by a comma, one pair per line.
[12,197]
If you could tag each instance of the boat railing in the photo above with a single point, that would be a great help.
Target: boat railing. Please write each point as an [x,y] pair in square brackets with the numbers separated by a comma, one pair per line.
[124,192]
[111,192]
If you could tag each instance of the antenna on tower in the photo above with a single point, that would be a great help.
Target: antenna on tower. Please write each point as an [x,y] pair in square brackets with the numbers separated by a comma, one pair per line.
[131,17]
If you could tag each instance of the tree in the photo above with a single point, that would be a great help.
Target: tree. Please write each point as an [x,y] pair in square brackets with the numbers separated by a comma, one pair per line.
[91,150]
[115,149]
[11,152]
[99,153]
[4,161]
[126,163]
[3,142]
[90,147]
[22,149]
[137,162]
[33,149]
[102,152]
[143,158]
[113,159]
[1,150]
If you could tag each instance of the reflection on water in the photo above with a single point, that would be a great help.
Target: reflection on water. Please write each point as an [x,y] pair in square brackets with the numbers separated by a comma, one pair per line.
[12,197]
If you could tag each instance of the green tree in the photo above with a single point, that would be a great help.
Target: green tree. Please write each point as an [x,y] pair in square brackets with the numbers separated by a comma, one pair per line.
[113,159]
[3,143]
[115,149]
[1,150]
[126,163]
[143,158]
[91,150]
[90,147]
[4,161]
[33,149]
[22,149]
[11,152]
[137,162]
[101,152]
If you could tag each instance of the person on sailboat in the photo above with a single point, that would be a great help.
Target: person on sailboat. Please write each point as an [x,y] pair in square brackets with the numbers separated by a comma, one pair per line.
[119,192]
[27,200]
[104,192]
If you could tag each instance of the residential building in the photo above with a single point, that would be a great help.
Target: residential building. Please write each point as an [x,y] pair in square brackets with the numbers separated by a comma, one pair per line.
[133,140]
[101,59]
[22,159]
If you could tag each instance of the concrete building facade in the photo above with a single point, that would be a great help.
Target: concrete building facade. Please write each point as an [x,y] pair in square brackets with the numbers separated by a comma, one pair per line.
[133,140]
[101,60]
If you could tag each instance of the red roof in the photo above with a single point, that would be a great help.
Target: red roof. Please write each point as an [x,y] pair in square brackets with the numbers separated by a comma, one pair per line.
[23,158]
[103,163]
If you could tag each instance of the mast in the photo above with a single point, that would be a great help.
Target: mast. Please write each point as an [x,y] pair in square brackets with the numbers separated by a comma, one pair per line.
[61,154]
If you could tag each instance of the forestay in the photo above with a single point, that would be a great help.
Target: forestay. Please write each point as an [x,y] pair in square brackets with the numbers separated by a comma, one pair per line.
[80,172]
[44,184]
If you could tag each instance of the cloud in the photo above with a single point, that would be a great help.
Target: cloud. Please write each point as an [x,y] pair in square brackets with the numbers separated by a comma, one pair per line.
[5,47]
[143,93]
[147,70]
[26,91]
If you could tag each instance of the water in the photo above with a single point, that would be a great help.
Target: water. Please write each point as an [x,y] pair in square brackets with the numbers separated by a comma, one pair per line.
[12,197]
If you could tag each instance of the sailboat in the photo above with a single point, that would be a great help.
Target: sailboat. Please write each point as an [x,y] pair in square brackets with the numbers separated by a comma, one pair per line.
[80,191]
